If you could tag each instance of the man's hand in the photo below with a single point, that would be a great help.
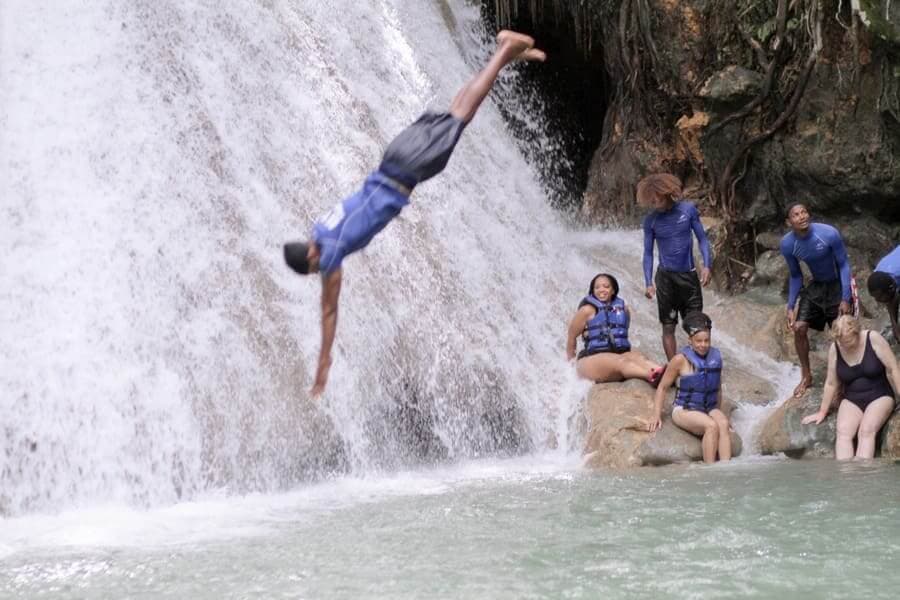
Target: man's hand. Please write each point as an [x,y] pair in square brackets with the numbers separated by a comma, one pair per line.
[705,276]
[844,308]
[650,291]
[321,377]
[790,319]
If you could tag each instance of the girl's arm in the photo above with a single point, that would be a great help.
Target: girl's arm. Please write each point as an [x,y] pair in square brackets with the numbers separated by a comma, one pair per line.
[576,326]
[673,369]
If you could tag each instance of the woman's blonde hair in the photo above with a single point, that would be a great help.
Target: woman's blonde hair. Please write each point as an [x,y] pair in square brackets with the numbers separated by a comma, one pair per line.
[845,325]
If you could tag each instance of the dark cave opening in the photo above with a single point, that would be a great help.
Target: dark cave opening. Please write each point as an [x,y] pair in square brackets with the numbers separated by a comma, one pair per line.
[571,90]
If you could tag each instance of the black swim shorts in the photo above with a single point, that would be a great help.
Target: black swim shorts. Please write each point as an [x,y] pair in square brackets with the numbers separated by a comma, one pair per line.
[422,150]
[819,303]
[677,293]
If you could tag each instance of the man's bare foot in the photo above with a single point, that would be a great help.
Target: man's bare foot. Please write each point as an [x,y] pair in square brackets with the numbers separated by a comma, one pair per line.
[516,42]
[802,387]
[533,54]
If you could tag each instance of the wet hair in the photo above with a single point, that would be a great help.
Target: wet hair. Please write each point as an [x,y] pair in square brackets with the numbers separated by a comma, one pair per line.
[695,322]
[845,325]
[881,284]
[612,282]
[660,184]
[296,256]
[792,206]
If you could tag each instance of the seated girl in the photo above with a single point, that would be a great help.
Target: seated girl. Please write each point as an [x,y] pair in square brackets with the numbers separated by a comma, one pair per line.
[602,322]
[864,363]
[698,368]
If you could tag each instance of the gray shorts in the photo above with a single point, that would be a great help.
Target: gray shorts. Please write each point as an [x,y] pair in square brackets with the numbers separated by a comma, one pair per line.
[422,150]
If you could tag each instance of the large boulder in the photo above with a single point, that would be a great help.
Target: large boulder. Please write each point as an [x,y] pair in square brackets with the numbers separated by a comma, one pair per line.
[890,437]
[782,431]
[618,414]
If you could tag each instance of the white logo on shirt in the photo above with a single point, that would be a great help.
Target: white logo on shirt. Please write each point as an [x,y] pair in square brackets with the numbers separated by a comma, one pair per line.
[334,216]
[682,218]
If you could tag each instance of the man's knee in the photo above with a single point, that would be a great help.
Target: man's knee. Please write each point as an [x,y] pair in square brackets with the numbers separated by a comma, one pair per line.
[801,330]
[668,328]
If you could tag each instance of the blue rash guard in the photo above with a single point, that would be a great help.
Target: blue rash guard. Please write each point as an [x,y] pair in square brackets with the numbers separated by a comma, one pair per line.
[823,252]
[672,232]
[352,224]
[890,264]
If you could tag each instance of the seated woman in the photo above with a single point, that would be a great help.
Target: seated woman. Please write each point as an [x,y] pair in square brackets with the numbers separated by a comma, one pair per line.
[602,321]
[698,368]
[863,362]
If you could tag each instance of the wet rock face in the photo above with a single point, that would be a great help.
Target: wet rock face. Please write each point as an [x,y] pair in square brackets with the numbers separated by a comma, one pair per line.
[732,84]
[838,151]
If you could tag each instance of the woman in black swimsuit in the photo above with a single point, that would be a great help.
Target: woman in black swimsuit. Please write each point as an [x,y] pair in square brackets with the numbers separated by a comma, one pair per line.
[863,362]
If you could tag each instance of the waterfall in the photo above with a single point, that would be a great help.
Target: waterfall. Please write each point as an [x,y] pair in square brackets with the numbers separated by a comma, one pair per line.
[156,154]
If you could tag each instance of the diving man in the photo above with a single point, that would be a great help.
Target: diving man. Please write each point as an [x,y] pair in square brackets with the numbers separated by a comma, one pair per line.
[420,152]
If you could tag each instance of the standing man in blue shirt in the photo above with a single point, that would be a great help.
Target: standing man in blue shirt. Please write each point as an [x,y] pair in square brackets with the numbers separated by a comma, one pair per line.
[420,152]
[884,284]
[671,226]
[827,296]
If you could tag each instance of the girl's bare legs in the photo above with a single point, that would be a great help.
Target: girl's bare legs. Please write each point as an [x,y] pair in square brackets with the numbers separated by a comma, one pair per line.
[877,412]
[635,365]
[724,433]
[848,419]
[700,424]
[511,46]
[604,367]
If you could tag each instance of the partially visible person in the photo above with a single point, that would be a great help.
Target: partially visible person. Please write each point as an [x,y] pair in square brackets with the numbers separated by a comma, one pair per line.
[698,369]
[671,225]
[827,296]
[602,322]
[862,362]
[884,283]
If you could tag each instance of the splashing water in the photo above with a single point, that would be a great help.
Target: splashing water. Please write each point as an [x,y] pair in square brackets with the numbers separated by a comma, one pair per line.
[155,156]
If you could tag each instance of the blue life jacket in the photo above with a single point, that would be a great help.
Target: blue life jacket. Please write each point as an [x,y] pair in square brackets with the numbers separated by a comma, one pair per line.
[607,331]
[700,390]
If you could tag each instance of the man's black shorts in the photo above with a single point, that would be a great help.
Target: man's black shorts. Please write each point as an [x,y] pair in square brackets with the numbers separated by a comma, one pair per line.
[422,150]
[819,303]
[677,293]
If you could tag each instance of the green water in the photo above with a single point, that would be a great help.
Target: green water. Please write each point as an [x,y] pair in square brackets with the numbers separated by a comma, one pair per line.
[495,529]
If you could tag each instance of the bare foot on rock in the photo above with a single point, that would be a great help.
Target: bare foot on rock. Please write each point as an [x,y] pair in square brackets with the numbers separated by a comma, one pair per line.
[803,386]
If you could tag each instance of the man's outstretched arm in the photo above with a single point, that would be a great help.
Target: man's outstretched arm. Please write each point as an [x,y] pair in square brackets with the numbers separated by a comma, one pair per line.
[331,291]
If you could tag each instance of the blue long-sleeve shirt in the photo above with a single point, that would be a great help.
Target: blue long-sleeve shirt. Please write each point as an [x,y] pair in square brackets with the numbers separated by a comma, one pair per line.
[352,224]
[672,232]
[822,249]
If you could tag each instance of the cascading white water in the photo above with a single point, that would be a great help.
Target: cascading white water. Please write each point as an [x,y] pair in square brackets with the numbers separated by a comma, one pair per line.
[155,156]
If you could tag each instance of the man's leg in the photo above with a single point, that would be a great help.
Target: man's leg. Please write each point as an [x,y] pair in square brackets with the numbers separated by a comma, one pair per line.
[668,340]
[511,46]
[801,343]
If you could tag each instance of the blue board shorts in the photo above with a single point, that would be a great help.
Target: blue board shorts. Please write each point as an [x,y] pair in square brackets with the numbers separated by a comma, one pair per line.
[422,150]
